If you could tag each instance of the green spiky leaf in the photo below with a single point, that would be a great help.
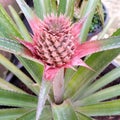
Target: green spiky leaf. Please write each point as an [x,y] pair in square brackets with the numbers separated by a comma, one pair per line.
[90,8]
[70,8]
[28,116]
[105,94]
[101,109]
[10,98]
[62,7]
[28,12]
[12,113]
[43,7]
[23,30]
[100,83]
[24,78]
[7,26]
[8,29]
[8,86]
[64,112]
[44,91]
[82,116]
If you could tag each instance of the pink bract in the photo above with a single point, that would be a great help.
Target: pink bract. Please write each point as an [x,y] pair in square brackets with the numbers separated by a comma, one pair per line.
[56,44]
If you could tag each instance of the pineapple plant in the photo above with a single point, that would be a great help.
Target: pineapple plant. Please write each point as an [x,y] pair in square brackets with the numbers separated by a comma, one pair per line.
[62,82]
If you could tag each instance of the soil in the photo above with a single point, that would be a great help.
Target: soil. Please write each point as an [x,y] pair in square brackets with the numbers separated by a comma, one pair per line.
[108,118]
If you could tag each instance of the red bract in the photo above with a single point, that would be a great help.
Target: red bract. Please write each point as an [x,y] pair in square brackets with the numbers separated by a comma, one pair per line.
[55,44]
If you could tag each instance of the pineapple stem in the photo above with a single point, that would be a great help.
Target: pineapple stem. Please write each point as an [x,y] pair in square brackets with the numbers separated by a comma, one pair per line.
[58,86]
